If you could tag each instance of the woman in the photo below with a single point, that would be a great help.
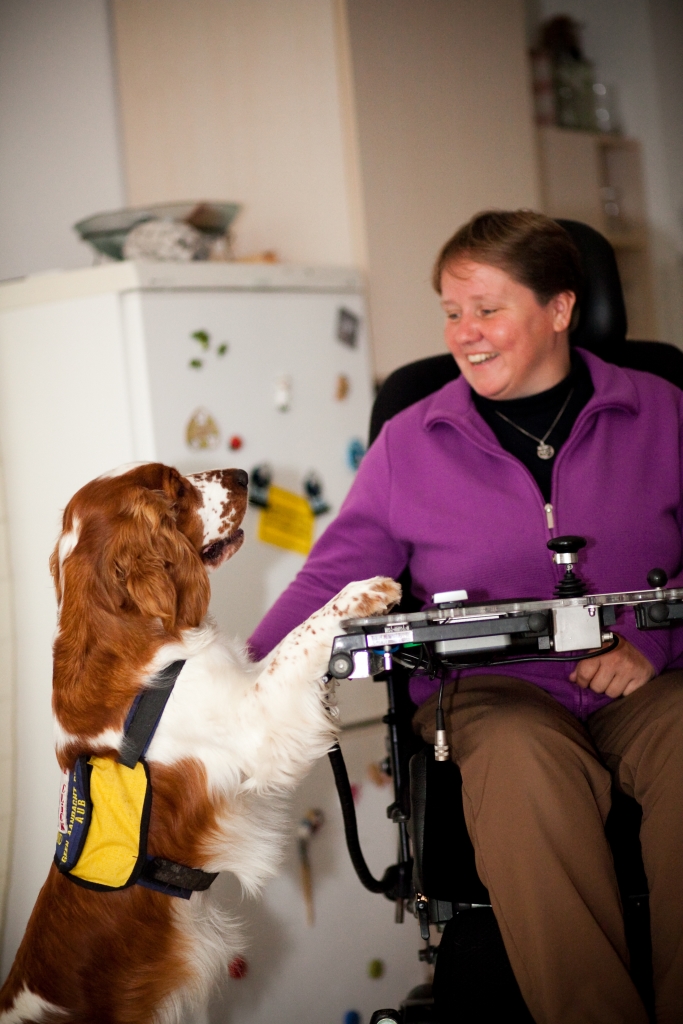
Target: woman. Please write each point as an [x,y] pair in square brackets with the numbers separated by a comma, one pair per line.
[466,487]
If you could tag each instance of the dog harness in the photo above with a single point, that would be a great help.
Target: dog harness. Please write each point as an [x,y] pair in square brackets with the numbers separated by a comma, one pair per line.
[104,809]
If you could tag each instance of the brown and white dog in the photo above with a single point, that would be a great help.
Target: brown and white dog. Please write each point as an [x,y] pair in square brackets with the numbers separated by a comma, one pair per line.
[130,574]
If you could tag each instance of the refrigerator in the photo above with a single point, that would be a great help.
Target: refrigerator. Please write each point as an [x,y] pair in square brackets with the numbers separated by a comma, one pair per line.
[197,365]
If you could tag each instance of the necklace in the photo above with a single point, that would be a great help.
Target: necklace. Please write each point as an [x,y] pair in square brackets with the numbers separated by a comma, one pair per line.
[543,450]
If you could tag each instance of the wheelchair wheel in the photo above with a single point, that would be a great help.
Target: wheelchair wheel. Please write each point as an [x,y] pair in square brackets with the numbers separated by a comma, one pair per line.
[473,980]
[418,1006]
[341,665]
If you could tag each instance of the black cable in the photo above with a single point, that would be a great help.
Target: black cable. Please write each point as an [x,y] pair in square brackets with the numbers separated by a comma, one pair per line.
[560,657]
[414,664]
[537,657]
[341,779]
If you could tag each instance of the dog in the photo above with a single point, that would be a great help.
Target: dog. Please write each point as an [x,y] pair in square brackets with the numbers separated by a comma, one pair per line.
[130,572]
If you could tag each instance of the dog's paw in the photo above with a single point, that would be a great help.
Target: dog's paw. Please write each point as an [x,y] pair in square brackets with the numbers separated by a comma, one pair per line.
[366,597]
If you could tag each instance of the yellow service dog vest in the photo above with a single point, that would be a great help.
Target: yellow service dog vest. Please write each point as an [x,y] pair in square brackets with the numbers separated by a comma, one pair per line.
[104,815]
[104,809]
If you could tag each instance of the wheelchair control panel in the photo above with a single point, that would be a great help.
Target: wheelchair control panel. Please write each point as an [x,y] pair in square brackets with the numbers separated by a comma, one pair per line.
[458,634]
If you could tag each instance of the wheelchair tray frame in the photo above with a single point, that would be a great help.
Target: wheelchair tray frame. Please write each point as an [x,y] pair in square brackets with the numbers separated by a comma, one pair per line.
[464,634]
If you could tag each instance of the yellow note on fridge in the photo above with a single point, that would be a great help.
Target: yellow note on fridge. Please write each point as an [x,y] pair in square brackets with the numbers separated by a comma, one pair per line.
[287,522]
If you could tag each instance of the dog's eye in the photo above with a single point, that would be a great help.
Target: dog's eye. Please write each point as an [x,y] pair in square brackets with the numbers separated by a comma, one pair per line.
[181,492]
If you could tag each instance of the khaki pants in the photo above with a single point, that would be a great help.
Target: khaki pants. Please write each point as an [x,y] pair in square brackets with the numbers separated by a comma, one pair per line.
[536,793]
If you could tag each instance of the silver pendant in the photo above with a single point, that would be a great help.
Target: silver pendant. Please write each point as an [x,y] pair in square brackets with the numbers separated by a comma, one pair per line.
[545,451]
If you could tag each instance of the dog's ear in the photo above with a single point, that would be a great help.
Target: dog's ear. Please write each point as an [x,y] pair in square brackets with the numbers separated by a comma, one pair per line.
[54,572]
[153,566]
[68,539]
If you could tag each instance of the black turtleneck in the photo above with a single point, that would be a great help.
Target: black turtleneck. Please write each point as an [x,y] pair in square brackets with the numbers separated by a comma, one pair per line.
[535,414]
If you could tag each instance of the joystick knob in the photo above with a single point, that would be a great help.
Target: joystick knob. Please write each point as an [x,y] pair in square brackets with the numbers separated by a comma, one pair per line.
[565,549]
[657,578]
[565,552]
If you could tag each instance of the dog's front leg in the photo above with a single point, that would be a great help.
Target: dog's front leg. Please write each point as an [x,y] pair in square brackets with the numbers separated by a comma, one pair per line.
[305,652]
[289,696]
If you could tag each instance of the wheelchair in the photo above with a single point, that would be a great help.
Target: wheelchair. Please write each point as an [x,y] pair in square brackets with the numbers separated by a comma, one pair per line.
[435,876]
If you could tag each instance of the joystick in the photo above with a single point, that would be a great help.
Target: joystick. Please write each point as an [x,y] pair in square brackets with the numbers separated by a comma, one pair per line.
[657,578]
[565,552]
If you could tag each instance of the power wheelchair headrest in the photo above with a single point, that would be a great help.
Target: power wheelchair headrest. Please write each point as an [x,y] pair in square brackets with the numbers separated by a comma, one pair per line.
[602,314]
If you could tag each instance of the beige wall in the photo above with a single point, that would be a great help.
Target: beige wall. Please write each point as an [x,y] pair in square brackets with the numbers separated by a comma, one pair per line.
[277,105]
[59,158]
[7,718]
[445,127]
[241,100]
[638,46]
[58,163]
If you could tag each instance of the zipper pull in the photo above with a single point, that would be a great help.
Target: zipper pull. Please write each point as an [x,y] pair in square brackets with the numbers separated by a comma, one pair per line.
[548,509]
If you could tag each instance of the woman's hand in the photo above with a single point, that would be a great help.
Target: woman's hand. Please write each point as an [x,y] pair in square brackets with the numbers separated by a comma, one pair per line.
[615,674]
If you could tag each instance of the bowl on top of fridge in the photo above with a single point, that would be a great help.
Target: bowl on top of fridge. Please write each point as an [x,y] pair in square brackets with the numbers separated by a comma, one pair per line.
[107,232]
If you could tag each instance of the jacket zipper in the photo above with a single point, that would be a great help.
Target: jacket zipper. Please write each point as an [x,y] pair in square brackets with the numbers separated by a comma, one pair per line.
[549,518]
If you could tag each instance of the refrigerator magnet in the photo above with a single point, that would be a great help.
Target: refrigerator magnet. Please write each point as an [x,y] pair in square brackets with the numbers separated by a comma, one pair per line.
[313,489]
[283,394]
[287,522]
[342,387]
[260,480]
[203,338]
[202,431]
[348,325]
[355,450]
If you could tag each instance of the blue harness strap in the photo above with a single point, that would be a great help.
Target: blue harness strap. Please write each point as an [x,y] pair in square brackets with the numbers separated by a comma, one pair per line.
[145,713]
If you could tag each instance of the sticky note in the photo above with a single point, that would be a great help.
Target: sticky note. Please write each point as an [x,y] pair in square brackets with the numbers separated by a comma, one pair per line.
[287,522]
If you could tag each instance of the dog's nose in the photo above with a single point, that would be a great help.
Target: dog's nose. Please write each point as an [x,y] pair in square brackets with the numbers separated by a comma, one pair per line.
[240,477]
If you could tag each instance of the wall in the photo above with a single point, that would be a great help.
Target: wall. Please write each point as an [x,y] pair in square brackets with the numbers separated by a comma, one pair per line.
[666,18]
[638,45]
[59,159]
[7,717]
[446,129]
[241,101]
[58,162]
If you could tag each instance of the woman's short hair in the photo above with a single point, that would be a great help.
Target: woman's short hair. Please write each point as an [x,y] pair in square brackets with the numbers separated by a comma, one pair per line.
[532,248]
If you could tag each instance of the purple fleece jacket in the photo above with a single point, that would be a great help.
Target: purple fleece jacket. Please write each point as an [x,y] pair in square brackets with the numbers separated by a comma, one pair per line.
[436,491]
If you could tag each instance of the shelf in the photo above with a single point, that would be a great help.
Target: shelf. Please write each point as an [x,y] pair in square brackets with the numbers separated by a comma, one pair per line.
[635,239]
[597,179]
